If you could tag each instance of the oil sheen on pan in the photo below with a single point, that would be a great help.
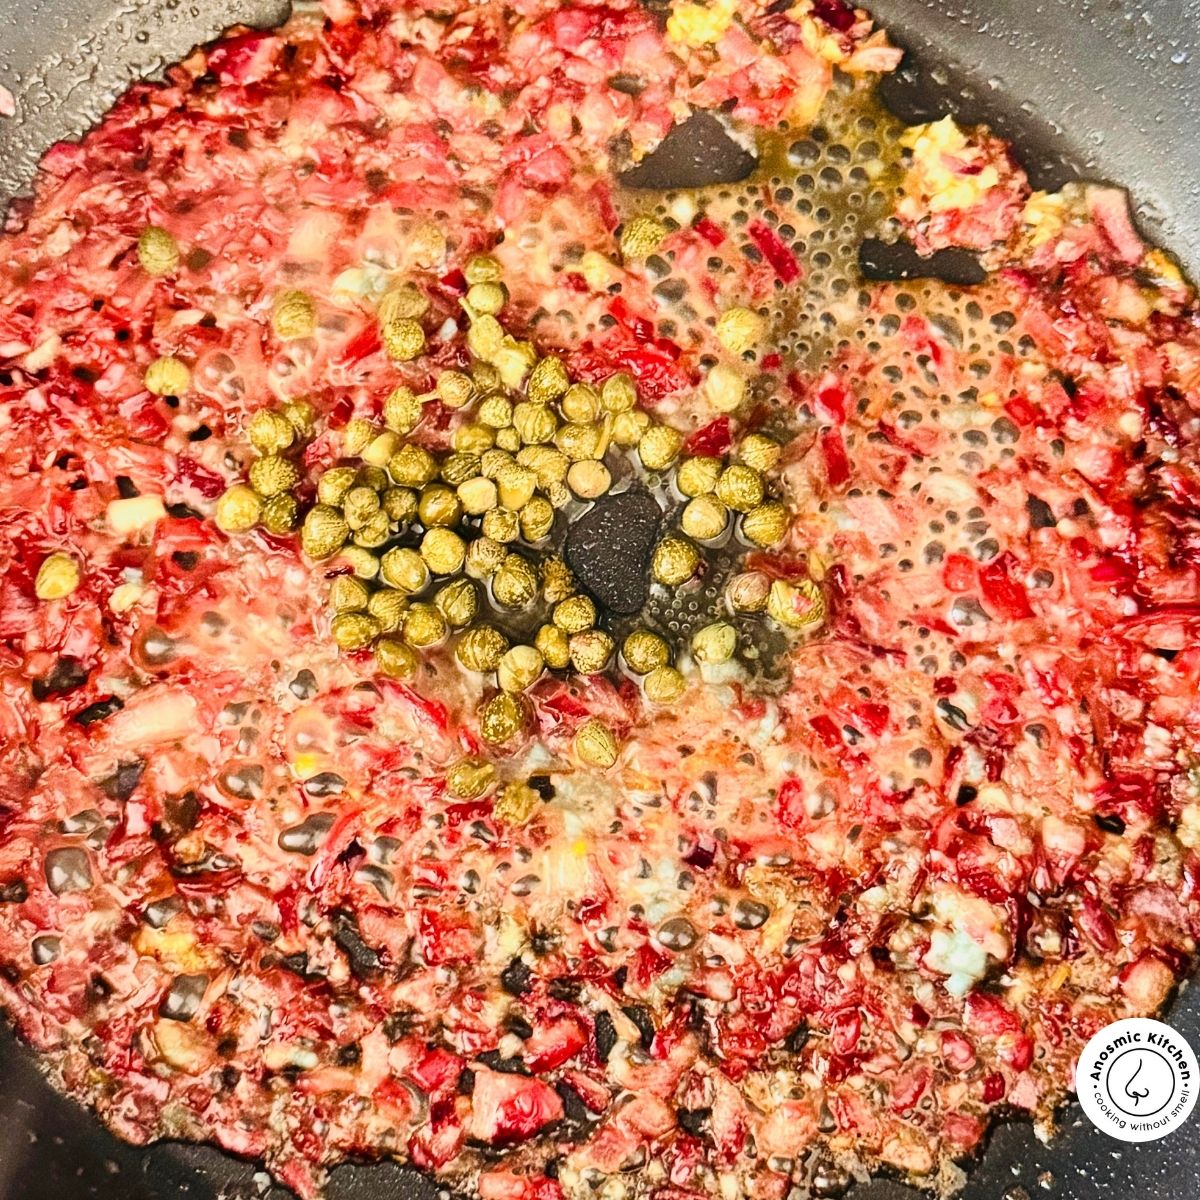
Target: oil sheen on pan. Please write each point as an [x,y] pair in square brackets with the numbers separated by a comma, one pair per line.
[582,684]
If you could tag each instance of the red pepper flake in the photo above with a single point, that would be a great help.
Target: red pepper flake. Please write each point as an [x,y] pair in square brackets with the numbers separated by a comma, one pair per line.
[1022,411]
[775,251]
[1005,596]
[712,440]
[833,450]
[709,230]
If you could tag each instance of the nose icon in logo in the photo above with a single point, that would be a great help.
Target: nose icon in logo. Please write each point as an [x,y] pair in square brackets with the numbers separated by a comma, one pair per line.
[1137,1095]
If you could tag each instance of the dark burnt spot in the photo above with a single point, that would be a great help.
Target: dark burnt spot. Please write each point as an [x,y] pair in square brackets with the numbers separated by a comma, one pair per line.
[609,549]
[66,675]
[889,262]
[643,1018]
[506,1066]
[1110,823]
[364,959]
[697,152]
[101,710]
[693,1120]
[516,978]
[126,488]
[13,891]
[606,1035]
[1041,515]
[120,785]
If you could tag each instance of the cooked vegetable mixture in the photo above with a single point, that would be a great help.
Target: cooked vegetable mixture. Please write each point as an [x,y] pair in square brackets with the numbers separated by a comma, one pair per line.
[545,672]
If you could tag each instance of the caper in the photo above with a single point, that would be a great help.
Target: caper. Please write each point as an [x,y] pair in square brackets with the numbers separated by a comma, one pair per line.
[740,488]
[628,428]
[559,495]
[740,329]
[520,669]
[324,533]
[485,337]
[548,380]
[167,376]
[357,434]
[495,411]
[503,717]
[698,476]
[239,508]
[423,625]
[459,467]
[485,299]
[704,518]
[714,644]
[374,532]
[618,393]
[515,804]
[534,423]
[359,506]
[402,411]
[659,446]
[400,504]
[157,251]
[334,484]
[674,561]
[483,268]
[796,606]
[470,778]
[58,576]
[748,592]
[395,659]
[589,479]
[404,569]
[595,744]
[514,360]
[439,505]
[484,556]
[412,466]
[403,338]
[379,450]
[548,464]
[280,514]
[348,594]
[574,614]
[590,651]
[760,452]
[492,462]
[406,302]
[501,525]
[766,525]
[485,377]
[536,519]
[508,439]
[443,551]
[270,431]
[477,495]
[725,388]
[516,485]
[360,560]
[641,236]
[458,602]
[581,404]
[644,652]
[388,607]
[557,580]
[473,438]
[301,414]
[481,649]
[354,630]
[294,315]
[515,584]
[578,442]
[664,686]
[454,389]
[552,644]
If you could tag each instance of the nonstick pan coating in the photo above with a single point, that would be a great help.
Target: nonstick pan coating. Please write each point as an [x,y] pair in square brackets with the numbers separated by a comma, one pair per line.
[1106,89]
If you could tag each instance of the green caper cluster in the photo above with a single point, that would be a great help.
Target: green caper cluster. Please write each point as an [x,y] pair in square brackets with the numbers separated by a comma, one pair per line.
[278,436]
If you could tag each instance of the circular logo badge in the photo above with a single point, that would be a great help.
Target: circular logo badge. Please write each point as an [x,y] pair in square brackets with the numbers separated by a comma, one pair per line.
[1137,1080]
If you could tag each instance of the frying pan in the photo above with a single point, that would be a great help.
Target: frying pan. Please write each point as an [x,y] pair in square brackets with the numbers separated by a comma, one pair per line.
[1085,88]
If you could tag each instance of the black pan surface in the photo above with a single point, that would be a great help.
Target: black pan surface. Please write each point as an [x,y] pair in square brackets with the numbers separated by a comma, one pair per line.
[1106,89]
